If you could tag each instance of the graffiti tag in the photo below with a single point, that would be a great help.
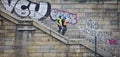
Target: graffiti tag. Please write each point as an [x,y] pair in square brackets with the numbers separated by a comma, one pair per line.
[26,8]
[93,28]
[70,17]
[113,41]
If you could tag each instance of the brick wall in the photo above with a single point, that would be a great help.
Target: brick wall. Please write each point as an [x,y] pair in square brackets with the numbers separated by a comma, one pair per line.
[37,44]
[105,16]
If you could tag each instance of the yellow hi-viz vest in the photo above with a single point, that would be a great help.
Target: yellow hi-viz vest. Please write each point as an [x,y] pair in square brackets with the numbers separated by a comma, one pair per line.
[59,21]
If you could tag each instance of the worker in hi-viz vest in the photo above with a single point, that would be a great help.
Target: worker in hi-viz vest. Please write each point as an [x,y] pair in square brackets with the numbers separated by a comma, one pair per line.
[59,23]
[64,27]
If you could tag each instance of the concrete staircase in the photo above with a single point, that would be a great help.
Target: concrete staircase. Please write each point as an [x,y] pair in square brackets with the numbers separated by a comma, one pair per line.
[47,28]
[88,41]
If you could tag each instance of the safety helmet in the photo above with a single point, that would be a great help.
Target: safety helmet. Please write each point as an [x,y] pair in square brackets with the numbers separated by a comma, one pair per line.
[64,17]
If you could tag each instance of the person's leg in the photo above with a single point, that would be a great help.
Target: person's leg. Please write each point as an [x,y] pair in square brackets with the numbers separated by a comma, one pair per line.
[64,30]
[59,28]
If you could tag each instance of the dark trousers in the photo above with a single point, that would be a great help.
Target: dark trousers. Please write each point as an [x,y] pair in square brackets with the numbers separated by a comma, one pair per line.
[60,28]
[64,30]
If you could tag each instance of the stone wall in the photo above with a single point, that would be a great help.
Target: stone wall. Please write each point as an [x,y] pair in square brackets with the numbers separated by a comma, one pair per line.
[93,19]
[37,43]
[7,38]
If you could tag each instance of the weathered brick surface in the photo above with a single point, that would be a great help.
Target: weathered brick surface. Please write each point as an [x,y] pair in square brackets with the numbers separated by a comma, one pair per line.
[7,36]
[43,45]
[39,45]
[105,15]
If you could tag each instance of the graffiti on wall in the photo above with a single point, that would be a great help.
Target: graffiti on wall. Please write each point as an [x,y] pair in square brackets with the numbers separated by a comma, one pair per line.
[113,41]
[26,8]
[93,28]
[71,18]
